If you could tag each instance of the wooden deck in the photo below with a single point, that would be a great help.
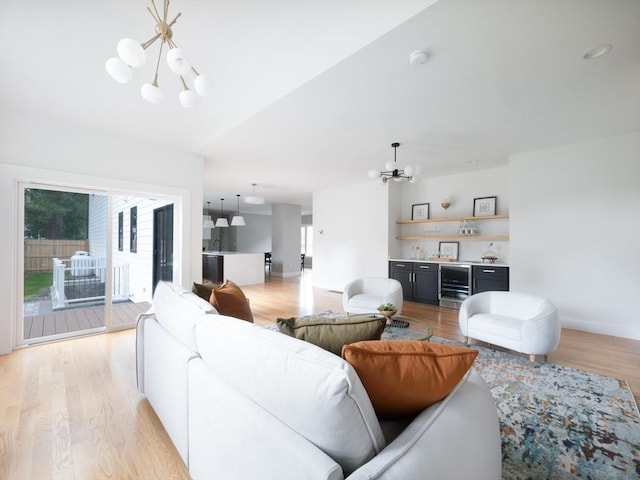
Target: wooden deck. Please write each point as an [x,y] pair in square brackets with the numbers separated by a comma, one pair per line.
[80,318]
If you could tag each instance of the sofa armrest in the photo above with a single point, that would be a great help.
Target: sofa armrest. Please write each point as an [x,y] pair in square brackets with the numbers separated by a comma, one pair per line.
[464,424]
[140,324]
[350,289]
[477,303]
[232,437]
[541,333]
[163,362]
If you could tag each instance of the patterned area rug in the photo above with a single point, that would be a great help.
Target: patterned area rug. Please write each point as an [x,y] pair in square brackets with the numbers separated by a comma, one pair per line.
[556,422]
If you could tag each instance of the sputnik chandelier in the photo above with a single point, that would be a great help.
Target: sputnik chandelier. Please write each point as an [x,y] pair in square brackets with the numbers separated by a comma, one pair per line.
[393,172]
[132,54]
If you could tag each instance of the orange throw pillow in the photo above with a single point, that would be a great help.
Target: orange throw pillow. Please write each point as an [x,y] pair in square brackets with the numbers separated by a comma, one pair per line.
[404,377]
[229,300]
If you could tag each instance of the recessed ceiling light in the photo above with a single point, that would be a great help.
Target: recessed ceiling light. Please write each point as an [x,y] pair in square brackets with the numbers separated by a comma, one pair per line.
[597,52]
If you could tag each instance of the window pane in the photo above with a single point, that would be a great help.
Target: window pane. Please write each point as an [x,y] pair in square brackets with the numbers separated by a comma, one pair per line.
[121,231]
[309,244]
[133,230]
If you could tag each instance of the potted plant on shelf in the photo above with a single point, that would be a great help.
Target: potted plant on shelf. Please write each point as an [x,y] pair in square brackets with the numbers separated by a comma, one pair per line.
[388,310]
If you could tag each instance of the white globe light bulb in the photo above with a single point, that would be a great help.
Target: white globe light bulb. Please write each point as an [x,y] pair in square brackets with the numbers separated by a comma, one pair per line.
[188,98]
[409,170]
[131,52]
[118,70]
[178,62]
[151,93]
[203,85]
[390,165]
[373,173]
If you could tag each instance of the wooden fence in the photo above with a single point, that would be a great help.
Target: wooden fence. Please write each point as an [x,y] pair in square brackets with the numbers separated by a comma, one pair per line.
[39,254]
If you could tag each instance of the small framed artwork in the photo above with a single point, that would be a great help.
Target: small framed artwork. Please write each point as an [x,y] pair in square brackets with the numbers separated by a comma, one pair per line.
[449,250]
[420,211]
[484,206]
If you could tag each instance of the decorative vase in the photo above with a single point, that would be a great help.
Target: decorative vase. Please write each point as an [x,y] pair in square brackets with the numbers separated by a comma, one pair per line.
[388,313]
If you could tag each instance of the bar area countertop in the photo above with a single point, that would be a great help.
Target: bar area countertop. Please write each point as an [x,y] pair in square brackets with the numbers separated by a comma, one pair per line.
[457,262]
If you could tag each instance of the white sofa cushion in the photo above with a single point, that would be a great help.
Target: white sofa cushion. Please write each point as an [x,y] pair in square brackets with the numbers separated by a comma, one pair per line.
[313,391]
[457,438]
[233,438]
[178,310]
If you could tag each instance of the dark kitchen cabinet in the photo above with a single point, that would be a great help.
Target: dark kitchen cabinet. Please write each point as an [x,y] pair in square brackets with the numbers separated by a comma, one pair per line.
[489,278]
[419,280]
[213,268]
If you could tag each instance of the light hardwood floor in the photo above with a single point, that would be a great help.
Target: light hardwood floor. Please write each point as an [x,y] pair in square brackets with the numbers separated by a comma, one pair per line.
[70,410]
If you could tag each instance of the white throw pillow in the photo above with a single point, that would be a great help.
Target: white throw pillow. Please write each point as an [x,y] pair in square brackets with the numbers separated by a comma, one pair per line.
[178,310]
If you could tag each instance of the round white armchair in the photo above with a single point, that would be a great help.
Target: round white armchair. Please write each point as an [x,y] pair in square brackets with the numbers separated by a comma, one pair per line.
[365,295]
[517,321]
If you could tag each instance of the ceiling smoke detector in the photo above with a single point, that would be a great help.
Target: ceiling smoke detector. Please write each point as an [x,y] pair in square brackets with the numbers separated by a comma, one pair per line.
[418,57]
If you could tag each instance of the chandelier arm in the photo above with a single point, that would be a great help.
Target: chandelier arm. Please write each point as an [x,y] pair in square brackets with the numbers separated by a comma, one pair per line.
[155,76]
[166,11]
[184,84]
[173,22]
[156,17]
[150,42]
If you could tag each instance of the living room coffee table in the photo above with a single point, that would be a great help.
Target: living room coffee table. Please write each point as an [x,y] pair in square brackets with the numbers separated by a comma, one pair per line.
[421,332]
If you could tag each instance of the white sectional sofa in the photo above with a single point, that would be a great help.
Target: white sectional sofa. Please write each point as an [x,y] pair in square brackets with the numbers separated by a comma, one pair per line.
[242,402]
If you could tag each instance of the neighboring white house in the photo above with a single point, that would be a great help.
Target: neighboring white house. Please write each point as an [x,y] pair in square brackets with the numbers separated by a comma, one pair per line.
[132,242]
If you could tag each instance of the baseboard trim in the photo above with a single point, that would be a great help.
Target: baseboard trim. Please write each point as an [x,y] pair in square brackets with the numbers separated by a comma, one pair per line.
[602,328]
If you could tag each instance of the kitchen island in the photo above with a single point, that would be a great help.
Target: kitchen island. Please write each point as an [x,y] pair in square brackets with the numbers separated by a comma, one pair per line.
[242,268]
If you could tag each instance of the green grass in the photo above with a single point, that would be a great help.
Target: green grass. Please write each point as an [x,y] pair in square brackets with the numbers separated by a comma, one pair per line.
[34,282]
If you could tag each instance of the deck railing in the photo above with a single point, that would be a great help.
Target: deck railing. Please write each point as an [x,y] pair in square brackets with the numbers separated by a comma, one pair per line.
[82,279]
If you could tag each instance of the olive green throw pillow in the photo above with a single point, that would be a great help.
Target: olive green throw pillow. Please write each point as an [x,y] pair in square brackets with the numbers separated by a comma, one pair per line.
[333,333]
[204,290]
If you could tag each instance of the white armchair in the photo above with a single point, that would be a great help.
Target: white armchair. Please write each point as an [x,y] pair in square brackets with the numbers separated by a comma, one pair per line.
[517,321]
[364,295]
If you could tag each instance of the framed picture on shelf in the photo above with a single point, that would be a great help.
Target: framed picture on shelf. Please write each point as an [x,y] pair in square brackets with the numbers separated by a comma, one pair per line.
[449,250]
[484,206]
[420,211]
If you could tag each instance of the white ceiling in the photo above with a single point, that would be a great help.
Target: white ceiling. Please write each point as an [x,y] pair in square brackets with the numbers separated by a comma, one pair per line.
[310,94]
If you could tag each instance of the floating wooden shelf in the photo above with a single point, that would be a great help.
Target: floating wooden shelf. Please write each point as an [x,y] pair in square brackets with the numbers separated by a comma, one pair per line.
[446,238]
[454,219]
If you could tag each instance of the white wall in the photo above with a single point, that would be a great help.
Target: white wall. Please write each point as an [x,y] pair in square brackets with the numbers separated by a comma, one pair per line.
[350,234]
[575,232]
[461,189]
[285,234]
[97,229]
[255,237]
[35,149]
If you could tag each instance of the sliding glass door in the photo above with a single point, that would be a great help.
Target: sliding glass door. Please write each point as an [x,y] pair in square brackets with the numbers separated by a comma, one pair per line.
[64,276]
[89,259]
